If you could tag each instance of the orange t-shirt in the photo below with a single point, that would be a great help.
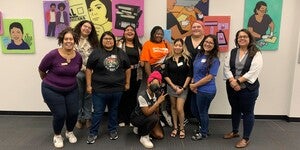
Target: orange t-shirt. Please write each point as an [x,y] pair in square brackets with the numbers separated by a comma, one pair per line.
[155,52]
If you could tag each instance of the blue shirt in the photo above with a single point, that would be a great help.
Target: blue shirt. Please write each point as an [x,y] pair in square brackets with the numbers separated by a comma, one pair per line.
[200,71]
[23,45]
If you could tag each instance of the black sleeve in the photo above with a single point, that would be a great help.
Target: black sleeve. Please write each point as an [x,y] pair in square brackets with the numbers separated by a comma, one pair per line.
[93,59]
[167,65]
[190,73]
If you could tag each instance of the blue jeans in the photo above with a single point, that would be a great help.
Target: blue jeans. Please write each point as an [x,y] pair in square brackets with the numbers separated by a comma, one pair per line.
[85,99]
[242,106]
[63,106]
[201,105]
[100,100]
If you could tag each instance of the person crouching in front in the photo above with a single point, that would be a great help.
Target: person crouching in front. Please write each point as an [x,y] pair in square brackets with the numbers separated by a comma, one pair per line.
[146,114]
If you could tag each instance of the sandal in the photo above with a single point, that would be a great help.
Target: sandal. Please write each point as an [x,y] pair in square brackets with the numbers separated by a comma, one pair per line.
[174,132]
[181,133]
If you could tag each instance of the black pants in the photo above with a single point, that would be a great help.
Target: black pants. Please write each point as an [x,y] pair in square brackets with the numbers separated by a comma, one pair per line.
[129,99]
[144,123]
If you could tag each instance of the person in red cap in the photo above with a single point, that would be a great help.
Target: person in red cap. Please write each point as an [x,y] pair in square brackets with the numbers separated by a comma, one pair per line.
[146,114]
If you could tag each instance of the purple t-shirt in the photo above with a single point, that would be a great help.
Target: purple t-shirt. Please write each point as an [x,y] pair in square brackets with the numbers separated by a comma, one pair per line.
[59,73]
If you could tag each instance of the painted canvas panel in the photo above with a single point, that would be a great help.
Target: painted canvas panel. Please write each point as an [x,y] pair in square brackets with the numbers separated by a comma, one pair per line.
[182,13]
[97,11]
[219,26]
[1,23]
[128,12]
[56,17]
[18,36]
[262,19]
[78,12]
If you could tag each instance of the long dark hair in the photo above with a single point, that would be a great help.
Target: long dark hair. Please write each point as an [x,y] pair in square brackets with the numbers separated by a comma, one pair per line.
[211,54]
[92,38]
[136,42]
[252,48]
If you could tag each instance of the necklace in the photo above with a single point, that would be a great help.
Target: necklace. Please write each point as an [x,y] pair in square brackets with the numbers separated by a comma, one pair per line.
[68,55]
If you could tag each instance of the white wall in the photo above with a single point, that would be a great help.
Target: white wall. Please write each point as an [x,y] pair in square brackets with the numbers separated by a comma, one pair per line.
[279,92]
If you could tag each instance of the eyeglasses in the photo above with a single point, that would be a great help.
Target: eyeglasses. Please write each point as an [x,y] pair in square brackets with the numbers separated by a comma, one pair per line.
[107,39]
[209,43]
[87,27]
[243,37]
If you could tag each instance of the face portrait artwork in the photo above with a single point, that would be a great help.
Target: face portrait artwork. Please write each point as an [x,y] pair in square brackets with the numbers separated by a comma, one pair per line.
[100,14]
[18,36]
[262,19]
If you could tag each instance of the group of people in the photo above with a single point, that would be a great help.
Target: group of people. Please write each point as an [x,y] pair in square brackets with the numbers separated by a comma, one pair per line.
[85,74]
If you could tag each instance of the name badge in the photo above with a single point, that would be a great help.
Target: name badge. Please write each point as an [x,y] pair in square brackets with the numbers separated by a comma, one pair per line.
[203,60]
[64,64]
[179,64]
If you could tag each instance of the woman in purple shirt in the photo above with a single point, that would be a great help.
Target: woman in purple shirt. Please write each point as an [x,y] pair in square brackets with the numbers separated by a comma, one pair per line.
[58,71]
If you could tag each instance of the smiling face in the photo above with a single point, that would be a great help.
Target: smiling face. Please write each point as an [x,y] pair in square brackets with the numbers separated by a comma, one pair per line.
[178,47]
[129,33]
[197,29]
[85,29]
[158,36]
[108,42]
[208,44]
[97,12]
[243,39]
[16,34]
[68,41]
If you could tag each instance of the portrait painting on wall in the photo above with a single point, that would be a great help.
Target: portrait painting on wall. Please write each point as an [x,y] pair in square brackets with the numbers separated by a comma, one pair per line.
[128,12]
[1,23]
[262,19]
[97,11]
[56,17]
[18,36]
[181,14]
[219,26]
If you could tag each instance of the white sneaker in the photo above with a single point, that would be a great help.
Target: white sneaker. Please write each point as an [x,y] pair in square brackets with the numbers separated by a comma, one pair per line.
[145,140]
[72,138]
[168,118]
[122,124]
[135,130]
[58,141]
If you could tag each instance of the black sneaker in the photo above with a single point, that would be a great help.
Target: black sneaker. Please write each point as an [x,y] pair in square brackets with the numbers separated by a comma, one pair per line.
[91,139]
[113,135]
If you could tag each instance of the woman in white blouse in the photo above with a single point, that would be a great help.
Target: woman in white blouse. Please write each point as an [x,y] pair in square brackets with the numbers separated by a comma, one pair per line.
[241,71]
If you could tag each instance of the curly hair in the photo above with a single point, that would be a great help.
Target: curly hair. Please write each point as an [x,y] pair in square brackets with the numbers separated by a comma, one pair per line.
[92,37]
[62,34]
